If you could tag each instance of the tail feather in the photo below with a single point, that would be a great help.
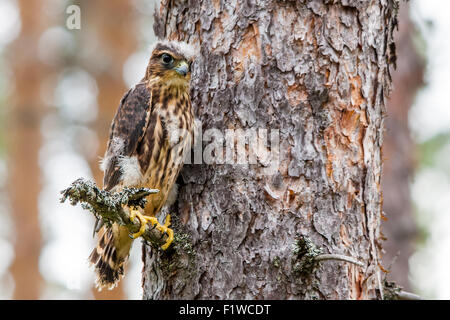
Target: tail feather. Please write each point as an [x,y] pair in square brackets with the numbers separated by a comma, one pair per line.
[110,256]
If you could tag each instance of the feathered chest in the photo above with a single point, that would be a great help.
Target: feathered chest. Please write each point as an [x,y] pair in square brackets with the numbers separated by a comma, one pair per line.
[167,140]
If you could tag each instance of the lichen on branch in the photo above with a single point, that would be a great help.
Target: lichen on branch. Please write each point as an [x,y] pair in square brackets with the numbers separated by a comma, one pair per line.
[111,207]
[307,256]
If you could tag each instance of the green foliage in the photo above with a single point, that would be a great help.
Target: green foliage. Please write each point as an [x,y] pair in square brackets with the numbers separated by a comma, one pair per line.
[430,152]
[423,229]
[433,154]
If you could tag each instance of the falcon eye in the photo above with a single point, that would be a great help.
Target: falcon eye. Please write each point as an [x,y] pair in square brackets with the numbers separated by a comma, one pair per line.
[167,58]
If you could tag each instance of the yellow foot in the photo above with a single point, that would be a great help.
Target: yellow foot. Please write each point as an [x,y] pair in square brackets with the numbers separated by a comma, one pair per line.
[144,220]
[165,229]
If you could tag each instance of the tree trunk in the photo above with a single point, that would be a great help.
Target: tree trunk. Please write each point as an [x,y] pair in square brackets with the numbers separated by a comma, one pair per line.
[316,73]
[398,151]
[24,140]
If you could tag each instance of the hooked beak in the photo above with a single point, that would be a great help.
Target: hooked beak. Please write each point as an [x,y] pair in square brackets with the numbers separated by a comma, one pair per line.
[182,68]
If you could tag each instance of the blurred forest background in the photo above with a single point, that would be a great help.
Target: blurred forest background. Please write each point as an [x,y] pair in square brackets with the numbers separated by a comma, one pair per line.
[59,89]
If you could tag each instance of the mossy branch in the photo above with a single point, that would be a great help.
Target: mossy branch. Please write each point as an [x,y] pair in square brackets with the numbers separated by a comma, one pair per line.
[109,207]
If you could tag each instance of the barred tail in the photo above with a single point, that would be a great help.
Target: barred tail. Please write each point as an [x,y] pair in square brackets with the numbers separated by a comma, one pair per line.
[110,255]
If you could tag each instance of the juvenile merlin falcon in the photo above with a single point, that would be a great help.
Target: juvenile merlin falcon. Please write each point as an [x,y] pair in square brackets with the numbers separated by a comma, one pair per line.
[150,136]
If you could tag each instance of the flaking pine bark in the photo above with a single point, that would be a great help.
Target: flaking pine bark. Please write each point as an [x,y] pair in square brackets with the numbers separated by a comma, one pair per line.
[317,73]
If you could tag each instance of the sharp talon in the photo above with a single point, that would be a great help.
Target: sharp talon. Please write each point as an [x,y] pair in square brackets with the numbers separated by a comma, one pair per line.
[165,230]
[169,239]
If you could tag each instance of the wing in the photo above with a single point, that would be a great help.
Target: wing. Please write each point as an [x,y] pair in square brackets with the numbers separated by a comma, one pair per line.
[127,130]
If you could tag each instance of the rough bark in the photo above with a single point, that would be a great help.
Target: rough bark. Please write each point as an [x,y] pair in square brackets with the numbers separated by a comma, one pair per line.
[317,71]
[398,152]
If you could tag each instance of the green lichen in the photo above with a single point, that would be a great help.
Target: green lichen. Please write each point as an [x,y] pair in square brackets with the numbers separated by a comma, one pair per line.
[180,256]
[391,290]
[305,253]
[276,262]
[183,242]
[103,204]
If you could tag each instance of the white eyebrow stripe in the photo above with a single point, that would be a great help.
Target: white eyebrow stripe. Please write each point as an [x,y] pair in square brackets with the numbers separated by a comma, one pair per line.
[185,49]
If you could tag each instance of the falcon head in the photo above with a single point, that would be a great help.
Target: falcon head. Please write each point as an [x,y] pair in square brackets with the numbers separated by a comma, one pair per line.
[171,62]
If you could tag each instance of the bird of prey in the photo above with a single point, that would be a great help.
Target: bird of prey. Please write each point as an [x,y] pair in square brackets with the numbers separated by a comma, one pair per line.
[150,136]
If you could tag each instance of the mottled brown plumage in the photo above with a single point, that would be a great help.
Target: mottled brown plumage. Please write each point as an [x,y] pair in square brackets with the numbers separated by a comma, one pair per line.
[150,136]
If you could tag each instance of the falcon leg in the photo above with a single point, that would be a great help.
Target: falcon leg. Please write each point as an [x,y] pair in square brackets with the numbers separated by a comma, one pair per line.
[145,219]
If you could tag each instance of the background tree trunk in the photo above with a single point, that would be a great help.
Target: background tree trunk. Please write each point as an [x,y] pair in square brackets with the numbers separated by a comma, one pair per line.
[23,143]
[317,71]
[116,42]
[398,151]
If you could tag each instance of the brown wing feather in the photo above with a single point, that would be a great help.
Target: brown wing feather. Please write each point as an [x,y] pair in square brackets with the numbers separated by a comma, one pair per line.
[129,125]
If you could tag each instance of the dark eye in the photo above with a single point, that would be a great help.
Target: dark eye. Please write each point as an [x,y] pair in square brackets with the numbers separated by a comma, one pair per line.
[167,58]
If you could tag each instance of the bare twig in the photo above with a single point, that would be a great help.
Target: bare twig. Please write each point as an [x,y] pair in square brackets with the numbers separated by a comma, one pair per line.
[394,292]
[322,257]
[307,255]
[403,295]
[109,207]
